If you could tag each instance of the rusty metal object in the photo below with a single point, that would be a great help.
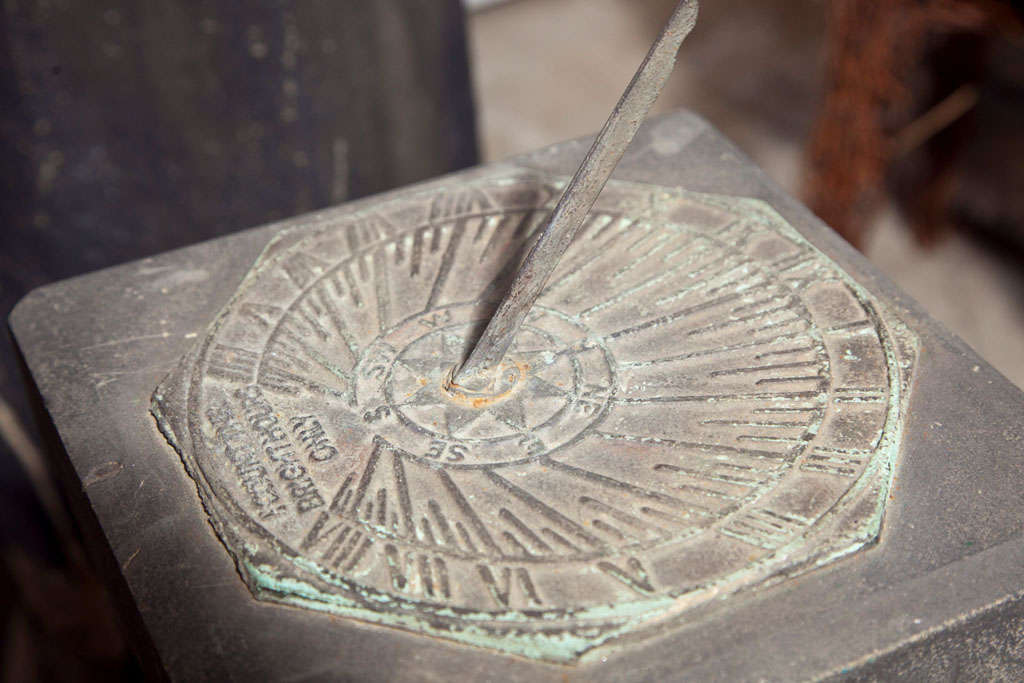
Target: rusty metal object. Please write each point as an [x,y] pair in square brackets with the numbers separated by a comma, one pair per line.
[874,47]
[579,196]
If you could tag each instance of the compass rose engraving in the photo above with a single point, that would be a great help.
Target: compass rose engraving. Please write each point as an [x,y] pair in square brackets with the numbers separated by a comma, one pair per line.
[698,401]
[553,384]
[498,411]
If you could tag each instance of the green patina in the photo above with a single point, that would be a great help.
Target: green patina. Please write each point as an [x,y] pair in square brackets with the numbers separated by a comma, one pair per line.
[563,645]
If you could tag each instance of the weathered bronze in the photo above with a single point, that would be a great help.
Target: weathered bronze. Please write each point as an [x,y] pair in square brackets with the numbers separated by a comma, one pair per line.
[698,400]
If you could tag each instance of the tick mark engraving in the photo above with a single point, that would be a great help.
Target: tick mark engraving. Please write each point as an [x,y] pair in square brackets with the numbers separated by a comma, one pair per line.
[232,363]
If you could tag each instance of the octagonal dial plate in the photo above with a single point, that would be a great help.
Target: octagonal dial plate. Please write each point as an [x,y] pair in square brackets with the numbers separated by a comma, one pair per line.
[699,400]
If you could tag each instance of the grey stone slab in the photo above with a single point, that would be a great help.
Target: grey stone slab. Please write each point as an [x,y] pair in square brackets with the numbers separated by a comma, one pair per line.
[946,560]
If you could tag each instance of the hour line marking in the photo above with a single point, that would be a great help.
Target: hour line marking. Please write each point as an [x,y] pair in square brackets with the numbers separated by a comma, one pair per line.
[783,380]
[232,363]
[710,476]
[611,482]
[469,512]
[747,423]
[722,397]
[524,530]
[721,325]
[583,263]
[404,502]
[659,243]
[706,447]
[311,320]
[711,291]
[785,352]
[851,325]
[795,317]
[416,257]
[517,545]
[763,368]
[557,517]
[319,359]
[368,470]
[699,284]
[442,523]
[618,514]
[353,287]
[672,317]
[669,517]
[717,350]
[633,290]
[336,321]
[798,264]
[561,540]
[447,261]
[381,290]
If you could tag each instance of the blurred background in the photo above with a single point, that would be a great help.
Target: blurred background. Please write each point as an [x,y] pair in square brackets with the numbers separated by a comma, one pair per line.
[127,131]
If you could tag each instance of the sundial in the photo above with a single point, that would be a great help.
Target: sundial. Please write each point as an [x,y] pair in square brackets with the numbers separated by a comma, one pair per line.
[698,400]
[540,421]
[695,400]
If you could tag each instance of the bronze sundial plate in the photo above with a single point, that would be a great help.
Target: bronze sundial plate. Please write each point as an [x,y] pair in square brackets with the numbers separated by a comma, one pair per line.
[699,402]
[766,482]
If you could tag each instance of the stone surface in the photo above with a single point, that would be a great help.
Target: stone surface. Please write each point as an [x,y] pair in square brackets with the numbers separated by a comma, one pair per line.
[946,559]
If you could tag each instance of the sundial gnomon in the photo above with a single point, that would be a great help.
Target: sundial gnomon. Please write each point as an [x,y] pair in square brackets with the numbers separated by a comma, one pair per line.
[698,401]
